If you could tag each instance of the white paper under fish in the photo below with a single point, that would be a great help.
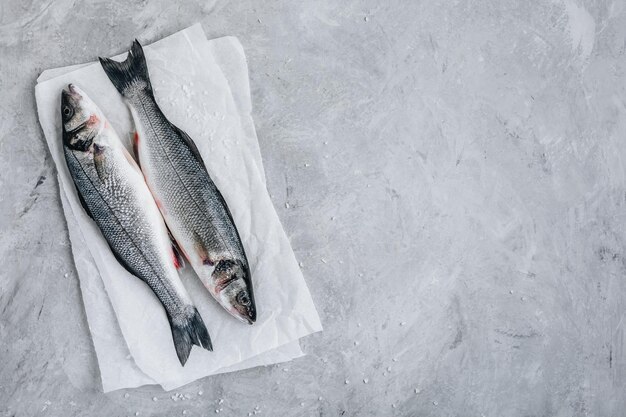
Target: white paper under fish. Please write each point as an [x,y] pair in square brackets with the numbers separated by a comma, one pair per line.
[202,87]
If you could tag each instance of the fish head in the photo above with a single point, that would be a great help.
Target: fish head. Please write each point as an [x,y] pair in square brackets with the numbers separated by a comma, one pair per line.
[82,120]
[233,290]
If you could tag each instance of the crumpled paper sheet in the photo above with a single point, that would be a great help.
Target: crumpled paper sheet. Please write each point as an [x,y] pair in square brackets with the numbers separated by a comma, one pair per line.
[202,86]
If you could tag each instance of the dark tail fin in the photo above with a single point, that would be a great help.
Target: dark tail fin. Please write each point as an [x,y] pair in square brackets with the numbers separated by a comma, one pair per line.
[187,330]
[131,74]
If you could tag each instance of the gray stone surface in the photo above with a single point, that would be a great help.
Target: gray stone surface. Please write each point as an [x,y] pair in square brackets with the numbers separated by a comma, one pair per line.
[455,176]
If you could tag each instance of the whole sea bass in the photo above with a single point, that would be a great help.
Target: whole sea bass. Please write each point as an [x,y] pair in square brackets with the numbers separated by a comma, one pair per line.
[112,191]
[193,207]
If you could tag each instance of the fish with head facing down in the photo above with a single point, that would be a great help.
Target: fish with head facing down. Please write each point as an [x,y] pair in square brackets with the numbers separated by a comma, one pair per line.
[112,191]
[192,206]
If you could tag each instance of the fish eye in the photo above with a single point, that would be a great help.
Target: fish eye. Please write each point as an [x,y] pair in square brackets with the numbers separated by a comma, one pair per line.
[67,111]
[243,298]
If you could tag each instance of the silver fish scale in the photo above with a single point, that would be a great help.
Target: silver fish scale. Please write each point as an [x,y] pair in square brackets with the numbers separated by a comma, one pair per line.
[184,185]
[126,227]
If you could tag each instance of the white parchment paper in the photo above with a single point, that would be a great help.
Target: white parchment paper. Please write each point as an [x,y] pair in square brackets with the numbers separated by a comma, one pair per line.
[202,87]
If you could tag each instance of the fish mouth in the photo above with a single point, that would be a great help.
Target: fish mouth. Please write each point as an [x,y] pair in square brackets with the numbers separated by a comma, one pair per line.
[71,90]
[244,318]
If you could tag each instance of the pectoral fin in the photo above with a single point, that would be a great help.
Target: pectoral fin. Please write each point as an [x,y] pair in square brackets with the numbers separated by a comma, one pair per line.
[203,253]
[99,161]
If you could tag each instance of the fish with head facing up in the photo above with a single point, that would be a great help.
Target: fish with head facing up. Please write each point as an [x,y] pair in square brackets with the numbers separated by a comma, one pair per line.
[112,191]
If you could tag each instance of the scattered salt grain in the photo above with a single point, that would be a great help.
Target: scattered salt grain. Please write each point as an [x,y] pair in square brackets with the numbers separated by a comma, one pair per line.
[403,323]
[320,398]
[323,260]
[66,275]
[200,392]
[217,411]
[356,343]
[307,165]
[365,380]
[435,403]
[301,264]
[184,411]
[389,369]
[346,382]
[136,413]
[301,404]
[285,369]
[126,395]
[286,205]
[220,401]
[365,18]
[155,399]
[395,359]
[417,390]
[393,405]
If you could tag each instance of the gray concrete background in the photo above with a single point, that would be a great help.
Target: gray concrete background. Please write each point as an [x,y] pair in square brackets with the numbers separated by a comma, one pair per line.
[465,186]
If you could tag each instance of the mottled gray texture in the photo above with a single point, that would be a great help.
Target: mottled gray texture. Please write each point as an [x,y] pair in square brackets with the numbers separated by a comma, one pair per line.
[451,174]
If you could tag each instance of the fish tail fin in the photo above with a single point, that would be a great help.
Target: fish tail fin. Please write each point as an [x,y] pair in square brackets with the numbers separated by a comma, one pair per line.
[188,329]
[131,74]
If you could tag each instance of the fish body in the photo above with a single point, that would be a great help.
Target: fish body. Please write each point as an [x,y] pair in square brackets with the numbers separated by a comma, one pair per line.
[192,206]
[112,190]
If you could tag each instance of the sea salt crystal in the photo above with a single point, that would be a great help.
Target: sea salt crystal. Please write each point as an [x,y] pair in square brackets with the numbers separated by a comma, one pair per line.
[365,380]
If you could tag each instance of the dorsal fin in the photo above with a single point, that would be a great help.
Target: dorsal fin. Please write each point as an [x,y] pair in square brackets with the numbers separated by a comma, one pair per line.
[190,143]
